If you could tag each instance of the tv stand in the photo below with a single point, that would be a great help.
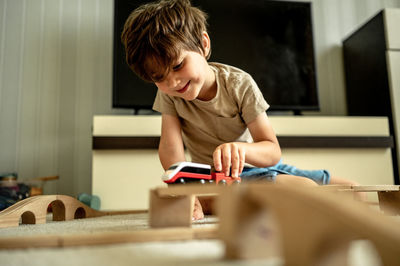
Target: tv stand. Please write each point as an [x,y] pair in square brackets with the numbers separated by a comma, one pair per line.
[126,164]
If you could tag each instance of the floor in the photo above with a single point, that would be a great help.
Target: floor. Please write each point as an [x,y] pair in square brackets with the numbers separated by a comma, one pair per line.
[193,252]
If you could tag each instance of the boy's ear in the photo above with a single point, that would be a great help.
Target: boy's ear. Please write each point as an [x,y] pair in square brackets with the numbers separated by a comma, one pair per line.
[206,44]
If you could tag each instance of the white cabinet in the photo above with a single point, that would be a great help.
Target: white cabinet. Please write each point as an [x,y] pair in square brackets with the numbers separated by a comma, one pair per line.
[393,59]
[392,34]
[121,174]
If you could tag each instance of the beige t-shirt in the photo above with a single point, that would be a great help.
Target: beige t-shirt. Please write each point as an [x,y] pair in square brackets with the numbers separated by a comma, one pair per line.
[208,124]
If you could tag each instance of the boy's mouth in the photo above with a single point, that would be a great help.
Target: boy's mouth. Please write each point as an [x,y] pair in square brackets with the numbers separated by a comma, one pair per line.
[184,88]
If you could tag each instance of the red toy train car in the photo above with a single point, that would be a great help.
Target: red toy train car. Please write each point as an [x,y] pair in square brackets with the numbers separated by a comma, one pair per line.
[187,172]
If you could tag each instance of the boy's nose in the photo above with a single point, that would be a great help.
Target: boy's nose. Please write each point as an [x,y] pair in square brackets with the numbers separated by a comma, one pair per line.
[173,82]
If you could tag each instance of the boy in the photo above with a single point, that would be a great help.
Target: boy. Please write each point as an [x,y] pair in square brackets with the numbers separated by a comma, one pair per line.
[215,110]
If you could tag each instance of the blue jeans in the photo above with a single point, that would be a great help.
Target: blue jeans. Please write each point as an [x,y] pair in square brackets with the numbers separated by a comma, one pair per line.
[321,177]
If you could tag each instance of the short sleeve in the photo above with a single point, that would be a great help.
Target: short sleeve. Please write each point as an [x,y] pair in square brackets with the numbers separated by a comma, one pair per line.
[164,104]
[252,101]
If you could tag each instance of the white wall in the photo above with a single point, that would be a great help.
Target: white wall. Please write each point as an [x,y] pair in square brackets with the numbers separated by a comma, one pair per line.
[56,73]
[334,20]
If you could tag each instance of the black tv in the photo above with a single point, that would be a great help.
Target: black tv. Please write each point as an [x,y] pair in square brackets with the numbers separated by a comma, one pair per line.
[271,40]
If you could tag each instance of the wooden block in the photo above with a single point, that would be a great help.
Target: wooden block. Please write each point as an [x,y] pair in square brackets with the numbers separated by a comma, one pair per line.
[170,211]
[313,225]
[173,206]
[256,225]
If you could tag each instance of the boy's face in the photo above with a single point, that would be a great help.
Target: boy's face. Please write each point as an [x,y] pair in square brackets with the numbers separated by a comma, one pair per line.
[188,78]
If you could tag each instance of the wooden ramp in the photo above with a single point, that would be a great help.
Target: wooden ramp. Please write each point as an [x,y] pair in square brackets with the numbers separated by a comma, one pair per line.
[309,225]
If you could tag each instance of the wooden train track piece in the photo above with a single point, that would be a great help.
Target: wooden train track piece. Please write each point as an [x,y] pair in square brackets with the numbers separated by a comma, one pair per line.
[173,206]
[376,188]
[388,195]
[33,210]
[308,219]
[313,222]
[109,238]
[310,223]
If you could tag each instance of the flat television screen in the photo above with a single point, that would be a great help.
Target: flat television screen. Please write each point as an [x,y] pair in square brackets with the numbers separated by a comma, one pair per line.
[271,40]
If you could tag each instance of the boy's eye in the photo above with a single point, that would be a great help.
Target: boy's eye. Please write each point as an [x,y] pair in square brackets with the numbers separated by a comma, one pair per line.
[178,66]
[157,78]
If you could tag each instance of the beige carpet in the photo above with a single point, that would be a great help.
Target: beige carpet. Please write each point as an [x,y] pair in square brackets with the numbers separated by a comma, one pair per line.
[192,253]
[91,225]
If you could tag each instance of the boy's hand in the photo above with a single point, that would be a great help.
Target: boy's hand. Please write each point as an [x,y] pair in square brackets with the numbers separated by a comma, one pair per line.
[229,156]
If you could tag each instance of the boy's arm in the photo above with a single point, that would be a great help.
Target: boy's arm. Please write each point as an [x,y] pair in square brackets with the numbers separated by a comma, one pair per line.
[264,152]
[171,148]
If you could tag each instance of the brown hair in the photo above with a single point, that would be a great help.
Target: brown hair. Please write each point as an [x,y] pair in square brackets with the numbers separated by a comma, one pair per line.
[155,33]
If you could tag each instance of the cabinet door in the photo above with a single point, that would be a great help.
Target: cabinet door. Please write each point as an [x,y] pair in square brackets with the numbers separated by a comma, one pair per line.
[123,178]
[392,21]
[393,59]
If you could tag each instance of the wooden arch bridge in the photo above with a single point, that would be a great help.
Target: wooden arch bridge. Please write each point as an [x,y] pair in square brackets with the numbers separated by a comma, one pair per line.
[33,210]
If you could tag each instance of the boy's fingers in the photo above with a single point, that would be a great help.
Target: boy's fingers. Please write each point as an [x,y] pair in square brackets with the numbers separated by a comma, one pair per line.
[235,158]
[229,159]
[242,156]
[226,160]
[217,159]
